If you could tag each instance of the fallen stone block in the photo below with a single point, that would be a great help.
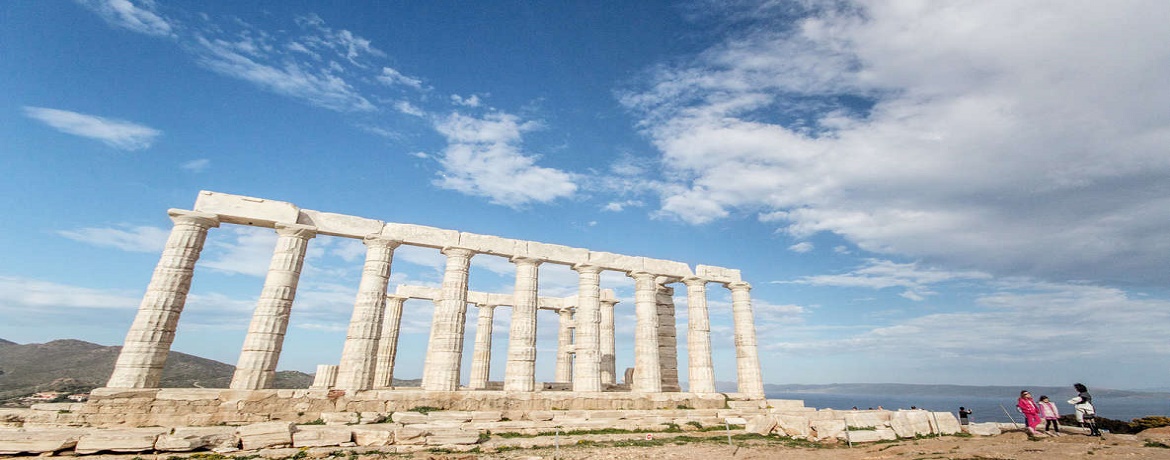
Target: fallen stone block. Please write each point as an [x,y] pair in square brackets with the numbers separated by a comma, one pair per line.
[410,435]
[984,429]
[539,415]
[373,435]
[487,416]
[826,429]
[266,434]
[407,418]
[761,424]
[881,434]
[866,419]
[19,441]
[451,438]
[119,440]
[752,404]
[321,435]
[369,418]
[945,423]
[340,418]
[185,439]
[785,404]
[457,416]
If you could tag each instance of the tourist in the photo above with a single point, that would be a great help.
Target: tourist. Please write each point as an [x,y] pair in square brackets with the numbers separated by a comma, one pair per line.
[1031,413]
[963,415]
[1086,413]
[1050,414]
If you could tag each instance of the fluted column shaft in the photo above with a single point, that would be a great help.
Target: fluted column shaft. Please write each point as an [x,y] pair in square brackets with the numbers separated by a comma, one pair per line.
[445,349]
[564,370]
[647,374]
[701,372]
[586,338]
[747,358]
[256,368]
[520,371]
[358,357]
[388,343]
[144,352]
[481,358]
[608,348]
[325,378]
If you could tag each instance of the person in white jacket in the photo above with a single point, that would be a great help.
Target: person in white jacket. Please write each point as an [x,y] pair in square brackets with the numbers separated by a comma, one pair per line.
[1086,413]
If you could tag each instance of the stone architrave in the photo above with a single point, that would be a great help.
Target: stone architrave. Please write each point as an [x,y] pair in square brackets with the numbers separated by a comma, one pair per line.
[608,348]
[647,374]
[701,372]
[747,358]
[481,358]
[520,370]
[257,365]
[445,348]
[667,336]
[564,369]
[388,344]
[587,343]
[358,357]
[144,352]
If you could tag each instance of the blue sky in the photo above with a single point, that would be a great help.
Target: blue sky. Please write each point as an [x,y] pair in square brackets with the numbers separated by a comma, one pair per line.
[936,192]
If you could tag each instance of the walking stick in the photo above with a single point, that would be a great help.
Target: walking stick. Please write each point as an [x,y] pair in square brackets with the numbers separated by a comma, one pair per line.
[1013,419]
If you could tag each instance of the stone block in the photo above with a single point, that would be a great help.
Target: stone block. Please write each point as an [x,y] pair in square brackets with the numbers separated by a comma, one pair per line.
[320,436]
[487,416]
[421,235]
[452,439]
[606,414]
[945,423]
[751,404]
[486,244]
[666,267]
[784,404]
[246,210]
[456,416]
[539,415]
[266,434]
[119,440]
[328,223]
[865,419]
[188,438]
[984,429]
[410,435]
[374,435]
[792,425]
[908,424]
[617,262]
[39,441]
[735,420]
[340,418]
[366,418]
[826,429]
[555,253]
[57,407]
[407,418]
[761,424]
[881,434]
[717,274]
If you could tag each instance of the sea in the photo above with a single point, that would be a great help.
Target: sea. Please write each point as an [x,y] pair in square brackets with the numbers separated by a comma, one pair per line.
[984,409]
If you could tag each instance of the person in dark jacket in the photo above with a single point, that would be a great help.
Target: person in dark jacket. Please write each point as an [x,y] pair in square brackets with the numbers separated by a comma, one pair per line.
[1086,412]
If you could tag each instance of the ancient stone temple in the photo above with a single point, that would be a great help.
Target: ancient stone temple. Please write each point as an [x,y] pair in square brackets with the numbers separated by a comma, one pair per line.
[585,373]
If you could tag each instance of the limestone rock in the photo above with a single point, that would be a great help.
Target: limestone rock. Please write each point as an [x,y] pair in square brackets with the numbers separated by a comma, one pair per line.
[827,429]
[453,437]
[373,435]
[908,424]
[793,426]
[1160,434]
[266,434]
[407,418]
[866,419]
[320,436]
[184,439]
[119,440]
[761,424]
[340,418]
[20,441]
[945,423]
[880,434]
[410,435]
[984,429]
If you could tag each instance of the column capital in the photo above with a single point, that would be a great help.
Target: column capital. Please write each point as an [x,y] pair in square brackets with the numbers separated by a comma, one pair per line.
[455,251]
[587,269]
[201,219]
[303,232]
[642,276]
[694,281]
[397,297]
[525,260]
[381,241]
[739,285]
[489,306]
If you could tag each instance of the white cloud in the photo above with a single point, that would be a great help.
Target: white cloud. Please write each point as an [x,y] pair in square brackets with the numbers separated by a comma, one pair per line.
[119,134]
[801,247]
[472,101]
[23,293]
[883,274]
[409,109]
[197,166]
[127,238]
[140,17]
[393,77]
[619,206]
[484,158]
[1007,136]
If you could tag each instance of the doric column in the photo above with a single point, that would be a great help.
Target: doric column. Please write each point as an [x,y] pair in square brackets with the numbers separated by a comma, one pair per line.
[747,358]
[445,349]
[564,370]
[647,374]
[388,343]
[520,371]
[149,340]
[586,338]
[481,358]
[256,368]
[667,335]
[358,357]
[608,349]
[325,378]
[701,373]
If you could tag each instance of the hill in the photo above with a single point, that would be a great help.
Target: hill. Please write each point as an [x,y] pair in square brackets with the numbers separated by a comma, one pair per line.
[79,366]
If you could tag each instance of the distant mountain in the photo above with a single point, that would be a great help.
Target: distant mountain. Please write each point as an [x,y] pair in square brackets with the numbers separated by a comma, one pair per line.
[78,366]
[901,389]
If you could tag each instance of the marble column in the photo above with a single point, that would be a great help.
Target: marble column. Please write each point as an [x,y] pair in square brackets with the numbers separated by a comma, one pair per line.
[701,373]
[445,349]
[388,343]
[564,370]
[148,342]
[747,358]
[520,371]
[359,355]
[256,368]
[667,335]
[608,348]
[647,374]
[325,378]
[481,358]
[586,338]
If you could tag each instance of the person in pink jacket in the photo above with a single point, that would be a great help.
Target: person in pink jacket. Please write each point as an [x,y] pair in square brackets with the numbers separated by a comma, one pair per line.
[1031,412]
[1050,414]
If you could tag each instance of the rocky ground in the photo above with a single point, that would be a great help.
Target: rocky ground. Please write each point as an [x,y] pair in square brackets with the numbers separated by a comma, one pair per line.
[1153,444]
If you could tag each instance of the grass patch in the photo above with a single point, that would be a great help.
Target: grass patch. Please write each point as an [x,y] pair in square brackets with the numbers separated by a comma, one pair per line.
[1156,444]
[315,422]
[425,409]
